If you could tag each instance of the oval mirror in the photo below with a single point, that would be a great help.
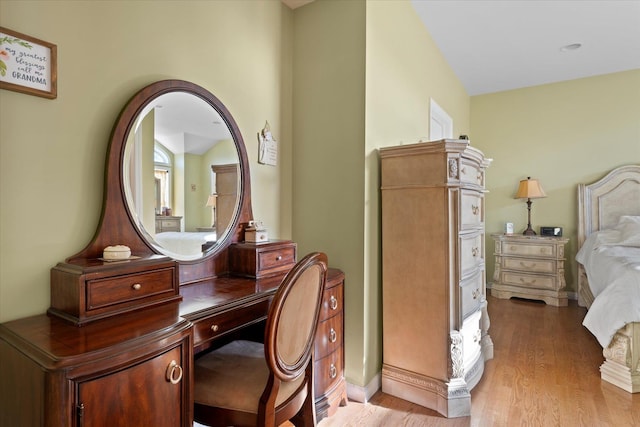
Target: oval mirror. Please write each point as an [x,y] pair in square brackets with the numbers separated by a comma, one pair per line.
[181,175]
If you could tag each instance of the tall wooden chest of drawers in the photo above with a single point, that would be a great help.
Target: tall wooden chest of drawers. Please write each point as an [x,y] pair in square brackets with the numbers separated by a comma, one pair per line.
[530,267]
[435,322]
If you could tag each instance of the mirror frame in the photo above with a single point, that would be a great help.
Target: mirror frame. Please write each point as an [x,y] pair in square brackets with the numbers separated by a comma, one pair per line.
[117,225]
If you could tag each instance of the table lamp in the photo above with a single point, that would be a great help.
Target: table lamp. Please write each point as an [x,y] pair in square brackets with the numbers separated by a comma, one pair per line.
[529,189]
[211,201]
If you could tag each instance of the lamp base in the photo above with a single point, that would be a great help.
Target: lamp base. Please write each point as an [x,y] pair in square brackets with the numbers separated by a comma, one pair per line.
[529,232]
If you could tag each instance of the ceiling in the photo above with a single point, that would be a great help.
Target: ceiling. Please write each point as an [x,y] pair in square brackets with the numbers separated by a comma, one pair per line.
[500,45]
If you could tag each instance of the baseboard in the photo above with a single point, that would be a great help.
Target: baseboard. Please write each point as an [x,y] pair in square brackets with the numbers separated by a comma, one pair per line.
[363,394]
[570,295]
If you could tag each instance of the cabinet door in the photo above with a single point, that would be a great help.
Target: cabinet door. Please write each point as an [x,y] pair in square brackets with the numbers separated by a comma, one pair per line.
[149,394]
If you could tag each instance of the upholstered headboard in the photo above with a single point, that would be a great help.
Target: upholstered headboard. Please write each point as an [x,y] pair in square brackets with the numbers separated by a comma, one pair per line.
[600,206]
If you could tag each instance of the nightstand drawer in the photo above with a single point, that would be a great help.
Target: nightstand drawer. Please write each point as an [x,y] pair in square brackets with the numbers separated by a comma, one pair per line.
[328,371]
[533,265]
[332,302]
[532,281]
[529,249]
[328,336]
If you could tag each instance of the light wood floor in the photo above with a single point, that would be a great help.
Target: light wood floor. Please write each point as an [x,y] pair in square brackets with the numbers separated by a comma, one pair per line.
[544,373]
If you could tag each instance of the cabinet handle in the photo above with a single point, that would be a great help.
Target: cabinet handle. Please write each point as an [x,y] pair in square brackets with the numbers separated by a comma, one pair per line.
[333,302]
[136,286]
[214,328]
[333,372]
[480,176]
[475,252]
[332,335]
[531,282]
[475,209]
[475,294]
[174,372]
[522,264]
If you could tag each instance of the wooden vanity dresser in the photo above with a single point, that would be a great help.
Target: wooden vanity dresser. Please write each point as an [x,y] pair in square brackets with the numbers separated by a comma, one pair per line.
[118,342]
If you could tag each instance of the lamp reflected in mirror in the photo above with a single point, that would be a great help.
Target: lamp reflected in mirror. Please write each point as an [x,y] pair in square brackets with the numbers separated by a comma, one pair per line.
[529,189]
[211,202]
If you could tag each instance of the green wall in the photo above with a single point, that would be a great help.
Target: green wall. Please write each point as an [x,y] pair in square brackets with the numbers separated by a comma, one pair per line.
[52,152]
[563,134]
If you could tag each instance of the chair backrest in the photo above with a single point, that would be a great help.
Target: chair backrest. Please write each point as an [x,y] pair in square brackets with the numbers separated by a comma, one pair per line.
[293,317]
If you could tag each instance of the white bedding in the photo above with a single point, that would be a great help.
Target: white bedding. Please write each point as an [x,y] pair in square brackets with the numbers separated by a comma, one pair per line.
[611,259]
[186,245]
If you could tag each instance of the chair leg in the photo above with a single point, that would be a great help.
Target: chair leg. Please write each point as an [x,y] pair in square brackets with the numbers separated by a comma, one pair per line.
[306,417]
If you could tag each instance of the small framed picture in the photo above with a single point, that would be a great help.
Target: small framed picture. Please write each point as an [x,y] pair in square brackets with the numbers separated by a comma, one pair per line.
[508,228]
[27,64]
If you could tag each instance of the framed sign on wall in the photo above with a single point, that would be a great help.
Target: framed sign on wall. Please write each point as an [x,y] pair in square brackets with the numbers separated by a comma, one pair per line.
[27,64]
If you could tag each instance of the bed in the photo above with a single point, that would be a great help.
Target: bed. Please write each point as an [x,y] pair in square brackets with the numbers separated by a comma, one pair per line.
[185,245]
[609,271]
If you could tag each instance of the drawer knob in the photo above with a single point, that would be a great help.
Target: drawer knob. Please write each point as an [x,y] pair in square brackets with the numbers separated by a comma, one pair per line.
[136,286]
[333,303]
[279,258]
[174,372]
[332,335]
[333,372]
[214,328]
[475,209]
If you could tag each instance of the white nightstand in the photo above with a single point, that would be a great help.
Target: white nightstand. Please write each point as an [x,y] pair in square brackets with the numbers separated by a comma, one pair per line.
[529,267]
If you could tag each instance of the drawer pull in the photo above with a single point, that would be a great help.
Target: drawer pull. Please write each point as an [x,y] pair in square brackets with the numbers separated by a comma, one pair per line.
[475,294]
[475,209]
[333,372]
[136,286]
[214,328]
[475,252]
[279,258]
[522,264]
[332,335]
[531,282]
[480,176]
[333,303]
[174,372]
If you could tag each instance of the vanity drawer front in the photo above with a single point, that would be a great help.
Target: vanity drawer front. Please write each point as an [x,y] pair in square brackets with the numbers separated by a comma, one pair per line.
[328,371]
[332,302]
[529,249]
[533,265]
[471,209]
[208,328]
[533,281]
[275,261]
[471,294]
[118,290]
[328,336]
[470,252]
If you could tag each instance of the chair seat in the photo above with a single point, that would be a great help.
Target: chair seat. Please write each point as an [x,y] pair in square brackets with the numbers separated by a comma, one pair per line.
[234,376]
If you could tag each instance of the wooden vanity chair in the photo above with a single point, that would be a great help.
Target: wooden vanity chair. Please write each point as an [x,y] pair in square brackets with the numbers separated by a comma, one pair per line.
[246,383]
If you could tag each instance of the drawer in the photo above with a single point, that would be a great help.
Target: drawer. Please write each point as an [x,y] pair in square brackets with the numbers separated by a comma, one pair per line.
[328,371]
[471,294]
[471,336]
[169,223]
[532,281]
[470,172]
[332,302]
[471,209]
[118,290]
[471,251]
[534,265]
[328,336]
[257,260]
[277,260]
[208,328]
[528,249]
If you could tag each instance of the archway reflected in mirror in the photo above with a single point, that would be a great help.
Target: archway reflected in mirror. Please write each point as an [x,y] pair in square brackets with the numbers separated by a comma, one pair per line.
[181,172]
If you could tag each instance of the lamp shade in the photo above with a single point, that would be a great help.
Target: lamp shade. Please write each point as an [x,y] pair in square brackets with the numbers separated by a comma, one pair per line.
[530,189]
[211,201]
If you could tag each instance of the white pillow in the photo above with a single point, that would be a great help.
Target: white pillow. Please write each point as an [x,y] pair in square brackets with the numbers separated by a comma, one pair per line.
[629,228]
